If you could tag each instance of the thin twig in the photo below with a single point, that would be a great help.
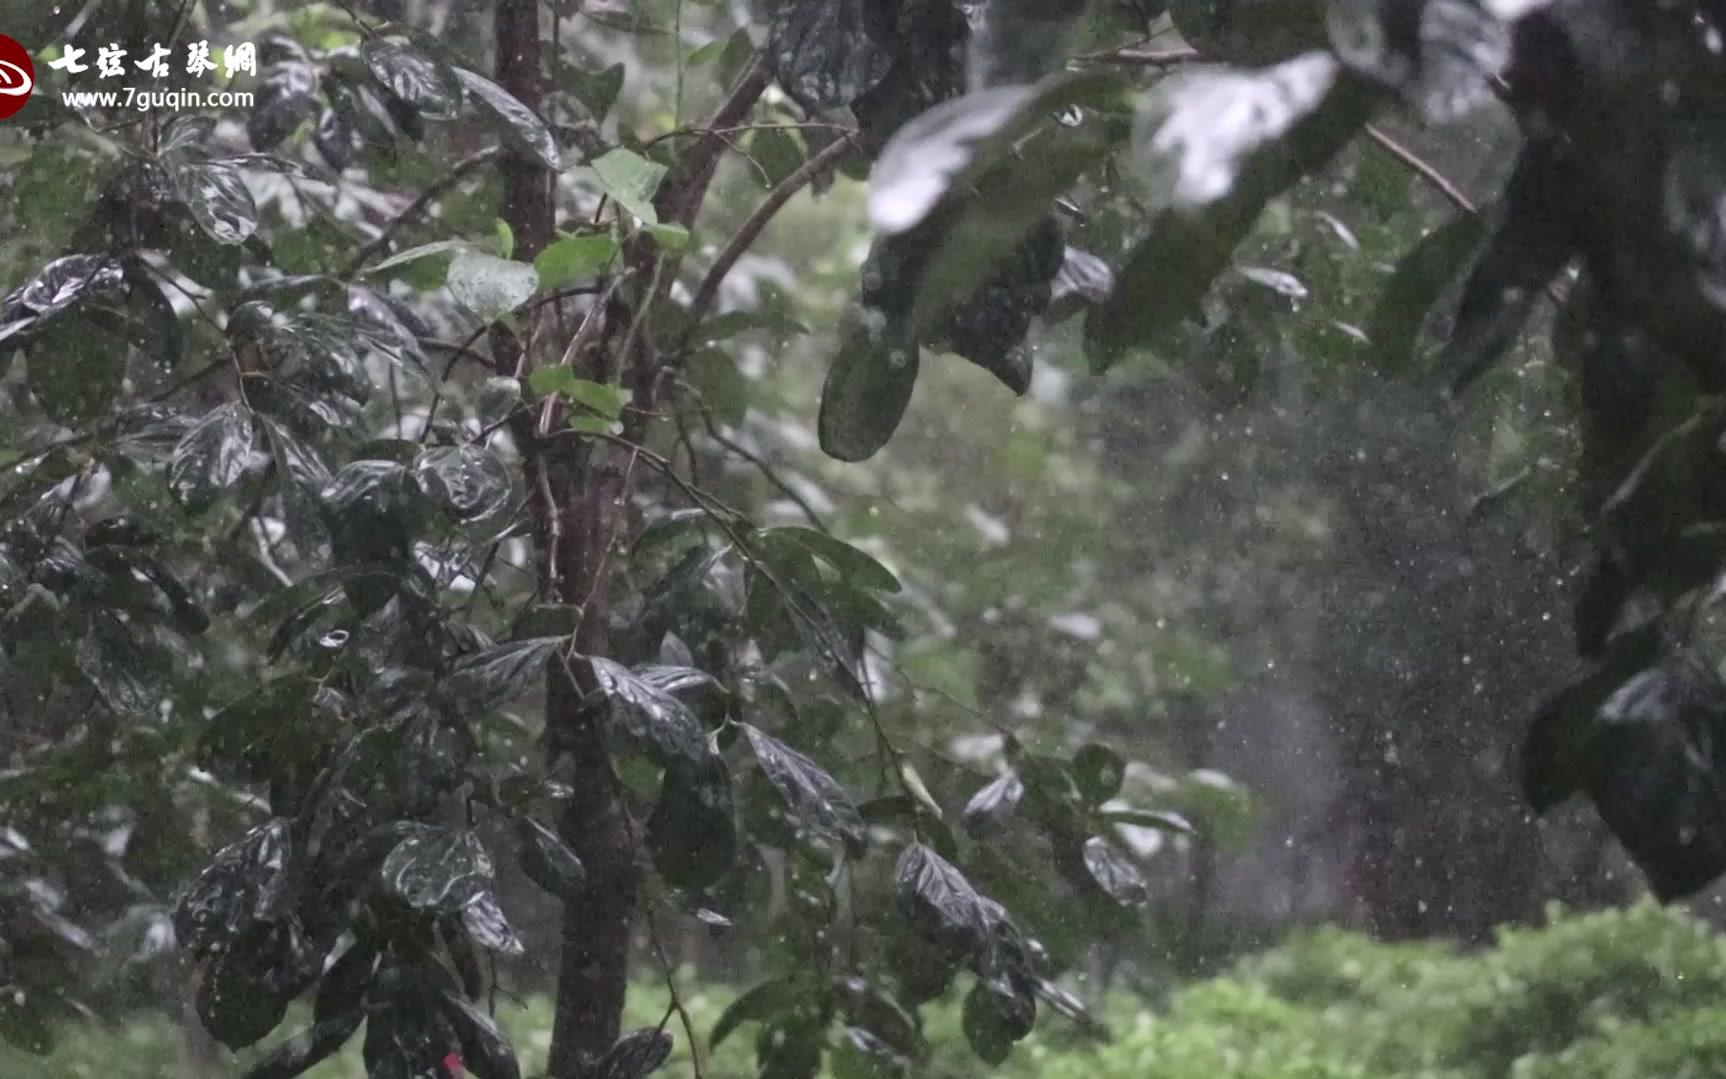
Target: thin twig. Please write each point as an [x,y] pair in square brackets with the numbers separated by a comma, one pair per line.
[1147,57]
[747,233]
[1423,169]
[584,334]
[761,464]
[437,190]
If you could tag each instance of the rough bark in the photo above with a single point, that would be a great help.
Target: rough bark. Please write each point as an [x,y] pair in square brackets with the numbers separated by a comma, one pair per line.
[578,497]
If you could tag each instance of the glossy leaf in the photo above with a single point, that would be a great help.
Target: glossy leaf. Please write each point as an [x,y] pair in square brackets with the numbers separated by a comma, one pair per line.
[441,869]
[638,1053]
[941,904]
[488,926]
[827,55]
[485,1050]
[490,287]
[991,807]
[574,258]
[759,1003]
[247,882]
[815,798]
[218,199]
[517,123]
[651,717]
[548,861]
[866,393]
[632,180]
[215,455]
[468,482]
[692,833]
[1115,874]
[428,85]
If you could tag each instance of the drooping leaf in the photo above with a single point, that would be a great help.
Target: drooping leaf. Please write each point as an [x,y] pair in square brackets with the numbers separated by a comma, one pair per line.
[866,393]
[468,482]
[1420,278]
[442,869]
[863,1055]
[940,903]
[489,928]
[1197,129]
[692,833]
[1020,41]
[488,286]
[548,861]
[485,1050]
[215,455]
[851,562]
[517,123]
[1657,757]
[1439,56]
[827,55]
[428,85]
[654,719]
[1115,874]
[282,104]
[990,807]
[218,199]
[77,362]
[632,180]
[574,258]
[947,149]
[1098,771]
[244,884]
[815,798]
[635,1055]
[1534,240]
[757,1004]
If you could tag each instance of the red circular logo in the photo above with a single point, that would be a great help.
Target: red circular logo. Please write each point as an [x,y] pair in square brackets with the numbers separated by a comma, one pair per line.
[17,76]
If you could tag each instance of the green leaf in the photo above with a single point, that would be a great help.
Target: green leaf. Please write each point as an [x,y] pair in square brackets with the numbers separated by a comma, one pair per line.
[413,255]
[1098,771]
[574,258]
[1118,877]
[855,565]
[814,797]
[654,719]
[489,679]
[430,86]
[672,239]
[991,806]
[692,833]
[469,482]
[215,455]
[218,199]
[1420,278]
[947,149]
[635,1055]
[439,869]
[490,287]
[1160,820]
[632,181]
[941,904]
[517,123]
[826,55]
[713,373]
[548,861]
[757,1004]
[866,393]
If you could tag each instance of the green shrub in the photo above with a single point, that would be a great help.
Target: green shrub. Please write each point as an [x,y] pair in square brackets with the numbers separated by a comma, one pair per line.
[1616,995]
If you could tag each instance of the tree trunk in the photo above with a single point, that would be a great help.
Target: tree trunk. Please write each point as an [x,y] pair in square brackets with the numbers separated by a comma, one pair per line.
[578,497]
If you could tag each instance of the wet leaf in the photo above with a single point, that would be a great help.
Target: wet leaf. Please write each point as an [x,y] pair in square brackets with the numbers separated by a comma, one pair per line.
[1115,874]
[866,393]
[1441,64]
[573,259]
[989,809]
[429,86]
[941,904]
[1196,130]
[490,287]
[216,455]
[1420,278]
[1533,242]
[282,103]
[853,564]
[485,1051]
[636,1054]
[815,798]
[759,1003]
[862,1055]
[468,482]
[654,719]
[1098,771]
[440,869]
[1157,819]
[692,833]
[489,928]
[518,124]
[548,861]
[632,181]
[218,199]
[247,882]
[827,55]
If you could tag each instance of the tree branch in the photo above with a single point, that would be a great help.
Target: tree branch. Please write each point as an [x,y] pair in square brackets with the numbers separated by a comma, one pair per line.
[437,190]
[751,228]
